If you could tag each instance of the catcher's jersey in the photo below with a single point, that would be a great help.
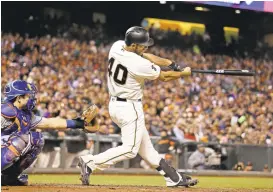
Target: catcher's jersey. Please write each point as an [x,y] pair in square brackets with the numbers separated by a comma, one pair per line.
[15,120]
[127,72]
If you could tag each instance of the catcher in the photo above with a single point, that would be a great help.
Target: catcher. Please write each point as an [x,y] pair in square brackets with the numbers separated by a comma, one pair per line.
[20,144]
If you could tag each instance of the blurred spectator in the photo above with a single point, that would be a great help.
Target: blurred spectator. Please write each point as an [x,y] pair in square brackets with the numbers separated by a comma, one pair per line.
[213,159]
[197,159]
[249,166]
[239,166]
[178,130]
[266,169]
[166,145]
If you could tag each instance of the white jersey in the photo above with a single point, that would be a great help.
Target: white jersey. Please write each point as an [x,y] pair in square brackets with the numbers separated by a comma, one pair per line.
[127,72]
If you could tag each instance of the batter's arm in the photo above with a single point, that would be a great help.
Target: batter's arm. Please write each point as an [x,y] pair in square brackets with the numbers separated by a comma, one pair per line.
[157,60]
[172,75]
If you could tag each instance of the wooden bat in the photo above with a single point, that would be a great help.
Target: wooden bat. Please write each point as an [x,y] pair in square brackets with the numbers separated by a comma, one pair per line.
[225,72]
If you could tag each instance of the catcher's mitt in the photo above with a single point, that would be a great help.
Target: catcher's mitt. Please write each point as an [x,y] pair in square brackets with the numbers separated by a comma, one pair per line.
[90,124]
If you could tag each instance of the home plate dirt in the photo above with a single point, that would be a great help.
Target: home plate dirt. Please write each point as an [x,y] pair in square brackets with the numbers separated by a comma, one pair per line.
[117,188]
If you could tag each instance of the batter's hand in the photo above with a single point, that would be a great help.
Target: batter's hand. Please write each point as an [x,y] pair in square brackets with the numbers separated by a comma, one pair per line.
[175,67]
[88,115]
[187,71]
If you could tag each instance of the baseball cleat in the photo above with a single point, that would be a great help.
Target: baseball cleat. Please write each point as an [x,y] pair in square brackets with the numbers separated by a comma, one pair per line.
[85,172]
[187,181]
[21,180]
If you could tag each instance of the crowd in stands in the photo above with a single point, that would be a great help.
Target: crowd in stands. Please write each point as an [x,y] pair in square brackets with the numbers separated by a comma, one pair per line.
[70,74]
[240,46]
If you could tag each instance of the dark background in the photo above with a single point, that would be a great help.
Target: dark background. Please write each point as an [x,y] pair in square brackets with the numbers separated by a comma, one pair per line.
[121,15]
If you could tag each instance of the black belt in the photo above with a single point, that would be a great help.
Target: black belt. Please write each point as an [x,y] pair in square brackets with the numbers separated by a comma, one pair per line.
[124,100]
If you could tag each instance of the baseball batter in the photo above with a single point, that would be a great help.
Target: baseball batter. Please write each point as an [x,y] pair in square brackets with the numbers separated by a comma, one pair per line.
[128,69]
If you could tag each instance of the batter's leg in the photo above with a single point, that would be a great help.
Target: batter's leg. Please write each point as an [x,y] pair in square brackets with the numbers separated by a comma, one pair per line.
[126,116]
[150,155]
[131,139]
[171,176]
[147,150]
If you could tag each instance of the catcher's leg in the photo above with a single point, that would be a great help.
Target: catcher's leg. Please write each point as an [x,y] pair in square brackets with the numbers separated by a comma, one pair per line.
[12,149]
[12,175]
[126,116]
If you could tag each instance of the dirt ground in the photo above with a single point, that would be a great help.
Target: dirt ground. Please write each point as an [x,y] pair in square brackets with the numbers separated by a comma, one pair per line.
[116,188]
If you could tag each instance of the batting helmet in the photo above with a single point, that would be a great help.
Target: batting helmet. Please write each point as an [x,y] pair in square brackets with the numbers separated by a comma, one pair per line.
[138,35]
[17,88]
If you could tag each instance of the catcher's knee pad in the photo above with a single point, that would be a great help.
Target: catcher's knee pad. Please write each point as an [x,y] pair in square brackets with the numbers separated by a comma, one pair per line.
[34,143]
[13,148]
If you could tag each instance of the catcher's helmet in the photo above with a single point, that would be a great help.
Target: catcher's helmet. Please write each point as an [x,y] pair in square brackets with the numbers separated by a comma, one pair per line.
[138,35]
[19,87]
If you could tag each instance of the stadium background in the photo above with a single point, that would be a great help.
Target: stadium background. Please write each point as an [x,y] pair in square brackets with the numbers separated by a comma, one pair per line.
[63,47]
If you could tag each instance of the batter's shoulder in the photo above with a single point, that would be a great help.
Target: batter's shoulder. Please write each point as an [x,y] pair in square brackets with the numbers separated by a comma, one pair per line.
[8,110]
[118,44]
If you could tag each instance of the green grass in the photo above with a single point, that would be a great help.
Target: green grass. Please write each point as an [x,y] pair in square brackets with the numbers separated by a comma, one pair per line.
[204,182]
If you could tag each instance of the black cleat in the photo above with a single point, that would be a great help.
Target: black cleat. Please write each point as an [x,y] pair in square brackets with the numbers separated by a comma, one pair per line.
[21,180]
[187,181]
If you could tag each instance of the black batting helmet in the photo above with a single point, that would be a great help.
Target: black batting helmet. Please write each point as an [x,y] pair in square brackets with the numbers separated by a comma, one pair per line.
[138,35]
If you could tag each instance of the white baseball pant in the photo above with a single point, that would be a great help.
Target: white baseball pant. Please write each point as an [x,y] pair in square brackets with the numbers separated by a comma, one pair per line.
[129,116]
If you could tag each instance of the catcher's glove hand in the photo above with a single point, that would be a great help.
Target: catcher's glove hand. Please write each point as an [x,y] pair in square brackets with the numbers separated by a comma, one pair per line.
[90,124]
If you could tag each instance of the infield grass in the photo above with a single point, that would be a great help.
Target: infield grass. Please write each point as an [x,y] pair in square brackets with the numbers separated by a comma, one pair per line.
[204,182]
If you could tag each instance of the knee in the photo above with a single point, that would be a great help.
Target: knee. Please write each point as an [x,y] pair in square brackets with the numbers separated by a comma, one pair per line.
[132,153]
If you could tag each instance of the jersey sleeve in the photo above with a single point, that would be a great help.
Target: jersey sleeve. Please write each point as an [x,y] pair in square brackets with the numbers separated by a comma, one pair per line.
[147,70]
[35,120]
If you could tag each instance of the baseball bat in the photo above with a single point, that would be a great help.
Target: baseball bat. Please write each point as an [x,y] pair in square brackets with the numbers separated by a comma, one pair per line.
[225,72]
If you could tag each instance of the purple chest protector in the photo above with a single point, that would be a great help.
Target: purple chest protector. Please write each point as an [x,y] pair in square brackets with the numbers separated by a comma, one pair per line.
[15,120]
